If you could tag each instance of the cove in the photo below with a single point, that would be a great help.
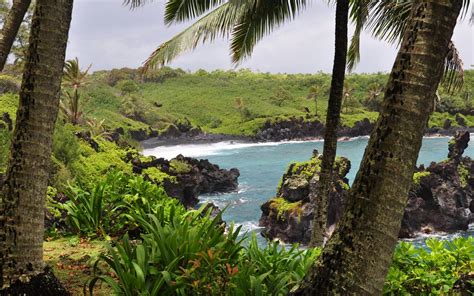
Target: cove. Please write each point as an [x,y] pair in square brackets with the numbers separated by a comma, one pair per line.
[261,166]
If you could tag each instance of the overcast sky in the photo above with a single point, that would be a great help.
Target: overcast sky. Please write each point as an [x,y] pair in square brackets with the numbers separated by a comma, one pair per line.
[108,35]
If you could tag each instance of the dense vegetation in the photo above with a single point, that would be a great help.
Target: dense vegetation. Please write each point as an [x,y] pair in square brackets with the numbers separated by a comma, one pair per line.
[237,102]
[95,195]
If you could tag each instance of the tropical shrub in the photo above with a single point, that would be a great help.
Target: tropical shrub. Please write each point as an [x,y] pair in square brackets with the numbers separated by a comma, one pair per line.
[194,255]
[108,208]
[187,254]
[432,270]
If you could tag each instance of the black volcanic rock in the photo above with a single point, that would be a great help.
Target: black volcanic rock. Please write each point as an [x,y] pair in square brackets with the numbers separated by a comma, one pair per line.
[191,177]
[441,198]
[289,216]
[442,195]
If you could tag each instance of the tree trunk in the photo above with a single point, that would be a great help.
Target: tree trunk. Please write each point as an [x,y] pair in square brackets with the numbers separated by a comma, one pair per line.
[22,204]
[10,28]
[356,259]
[320,199]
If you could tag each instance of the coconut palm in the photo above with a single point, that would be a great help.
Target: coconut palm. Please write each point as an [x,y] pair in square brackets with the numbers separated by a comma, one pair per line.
[73,78]
[24,189]
[10,28]
[373,94]
[245,22]
[333,115]
[357,256]
[313,93]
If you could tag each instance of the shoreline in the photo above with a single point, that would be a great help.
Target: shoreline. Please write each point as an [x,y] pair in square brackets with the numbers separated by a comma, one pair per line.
[206,138]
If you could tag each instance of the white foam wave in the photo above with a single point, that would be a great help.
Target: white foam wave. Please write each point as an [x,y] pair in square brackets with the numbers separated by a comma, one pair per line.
[248,226]
[197,150]
[230,147]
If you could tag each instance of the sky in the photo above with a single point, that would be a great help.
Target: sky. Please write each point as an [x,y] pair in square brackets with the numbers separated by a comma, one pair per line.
[108,35]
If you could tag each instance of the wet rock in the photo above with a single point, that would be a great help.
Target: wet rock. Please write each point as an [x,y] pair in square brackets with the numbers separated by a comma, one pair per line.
[300,128]
[441,198]
[191,177]
[289,216]
[458,144]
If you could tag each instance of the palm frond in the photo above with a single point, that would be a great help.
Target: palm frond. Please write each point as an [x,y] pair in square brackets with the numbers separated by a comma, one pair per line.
[217,23]
[260,19]
[359,13]
[135,3]
[183,10]
[387,20]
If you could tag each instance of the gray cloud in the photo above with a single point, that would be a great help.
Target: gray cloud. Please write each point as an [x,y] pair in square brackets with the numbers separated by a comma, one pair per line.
[109,35]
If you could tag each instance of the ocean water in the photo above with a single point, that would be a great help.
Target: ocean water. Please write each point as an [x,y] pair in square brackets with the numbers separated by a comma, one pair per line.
[261,166]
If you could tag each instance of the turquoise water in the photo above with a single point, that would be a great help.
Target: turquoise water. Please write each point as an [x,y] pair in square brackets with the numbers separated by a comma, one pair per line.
[262,165]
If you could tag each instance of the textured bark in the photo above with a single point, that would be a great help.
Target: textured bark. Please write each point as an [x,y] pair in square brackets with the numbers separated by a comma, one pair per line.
[320,199]
[22,204]
[10,28]
[356,258]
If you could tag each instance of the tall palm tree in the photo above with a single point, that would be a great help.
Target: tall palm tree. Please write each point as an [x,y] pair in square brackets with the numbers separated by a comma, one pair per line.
[333,115]
[74,78]
[10,28]
[247,21]
[357,257]
[22,199]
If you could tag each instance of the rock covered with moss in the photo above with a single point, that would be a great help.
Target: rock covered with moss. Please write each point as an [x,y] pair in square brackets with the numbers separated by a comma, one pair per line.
[288,217]
[186,178]
[442,195]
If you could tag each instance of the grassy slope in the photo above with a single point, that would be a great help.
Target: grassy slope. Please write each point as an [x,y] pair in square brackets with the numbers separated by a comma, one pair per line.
[208,100]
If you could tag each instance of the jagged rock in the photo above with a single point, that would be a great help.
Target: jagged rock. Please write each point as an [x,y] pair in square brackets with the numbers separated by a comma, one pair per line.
[192,177]
[139,135]
[447,124]
[442,196]
[458,144]
[299,128]
[289,216]
[86,136]
[460,120]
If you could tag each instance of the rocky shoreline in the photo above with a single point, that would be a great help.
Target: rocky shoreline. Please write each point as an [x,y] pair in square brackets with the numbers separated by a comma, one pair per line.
[293,129]
[441,198]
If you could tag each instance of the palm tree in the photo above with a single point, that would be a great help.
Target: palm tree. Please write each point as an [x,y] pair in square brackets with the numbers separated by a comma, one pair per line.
[333,115]
[247,21]
[357,257]
[22,200]
[313,93]
[347,96]
[373,93]
[10,28]
[74,78]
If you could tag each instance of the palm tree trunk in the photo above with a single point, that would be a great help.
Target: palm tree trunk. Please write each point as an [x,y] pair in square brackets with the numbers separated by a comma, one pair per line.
[357,257]
[332,122]
[22,204]
[10,28]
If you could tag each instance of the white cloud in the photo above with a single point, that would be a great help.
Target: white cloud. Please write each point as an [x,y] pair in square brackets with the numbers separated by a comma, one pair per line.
[109,35]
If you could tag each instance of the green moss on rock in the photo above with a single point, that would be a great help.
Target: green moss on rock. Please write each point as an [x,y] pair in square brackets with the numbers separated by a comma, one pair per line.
[282,206]
[417,177]
[463,175]
[158,176]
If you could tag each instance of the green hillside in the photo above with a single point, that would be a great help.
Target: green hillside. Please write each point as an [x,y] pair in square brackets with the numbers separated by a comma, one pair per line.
[234,102]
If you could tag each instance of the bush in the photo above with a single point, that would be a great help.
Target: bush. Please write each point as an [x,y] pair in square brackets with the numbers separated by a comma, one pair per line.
[191,255]
[127,86]
[106,208]
[66,146]
[430,271]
